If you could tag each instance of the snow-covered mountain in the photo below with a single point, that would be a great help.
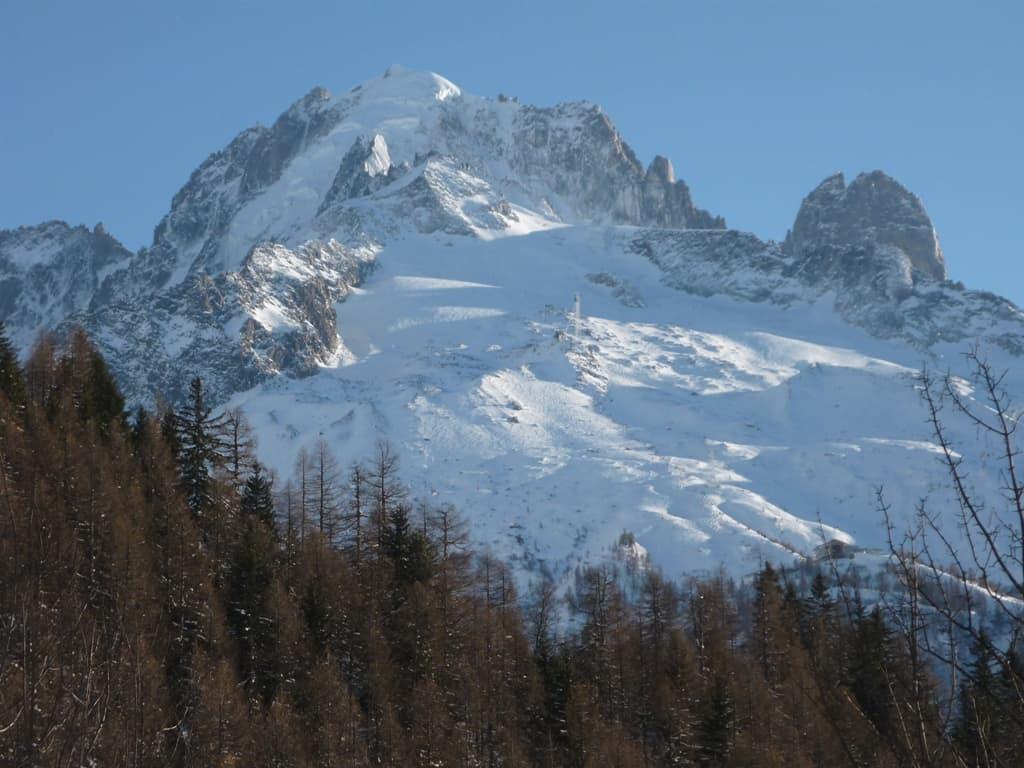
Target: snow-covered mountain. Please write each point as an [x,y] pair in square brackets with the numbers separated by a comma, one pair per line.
[399,261]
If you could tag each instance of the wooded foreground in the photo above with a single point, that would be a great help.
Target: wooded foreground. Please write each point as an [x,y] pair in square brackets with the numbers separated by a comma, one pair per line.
[165,602]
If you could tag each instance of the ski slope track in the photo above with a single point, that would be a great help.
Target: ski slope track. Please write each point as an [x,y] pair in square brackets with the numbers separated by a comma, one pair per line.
[400,262]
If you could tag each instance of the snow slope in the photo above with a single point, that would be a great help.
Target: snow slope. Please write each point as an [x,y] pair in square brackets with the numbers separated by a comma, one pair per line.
[716,431]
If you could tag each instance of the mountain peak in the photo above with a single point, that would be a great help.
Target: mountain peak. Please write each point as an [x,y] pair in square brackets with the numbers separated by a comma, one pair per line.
[413,85]
[873,210]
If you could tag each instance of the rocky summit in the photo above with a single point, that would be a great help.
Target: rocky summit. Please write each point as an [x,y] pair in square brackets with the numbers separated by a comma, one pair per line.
[271,230]
[876,211]
[400,260]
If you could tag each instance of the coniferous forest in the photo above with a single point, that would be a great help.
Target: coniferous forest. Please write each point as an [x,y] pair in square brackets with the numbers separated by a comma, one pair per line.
[165,601]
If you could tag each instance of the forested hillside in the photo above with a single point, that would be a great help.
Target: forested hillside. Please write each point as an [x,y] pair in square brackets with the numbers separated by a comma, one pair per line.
[166,602]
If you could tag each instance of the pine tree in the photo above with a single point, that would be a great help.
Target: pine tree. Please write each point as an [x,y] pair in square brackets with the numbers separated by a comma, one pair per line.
[1008,712]
[973,731]
[249,581]
[257,501]
[768,642]
[715,733]
[409,550]
[139,428]
[170,432]
[870,675]
[820,602]
[102,401]
[12,385]
[202,449]
[316,611]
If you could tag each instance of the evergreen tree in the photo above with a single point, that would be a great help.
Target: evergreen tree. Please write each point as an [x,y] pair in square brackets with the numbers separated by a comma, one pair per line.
[87,385]
[139,429]
[169,431]
[820,603]
[257,501]
[200,436]
[769,634]
[819,626]
[316,612]
[12,385]
[870,677]
[715,732]
[409,550]
[249,580]
[973,731]
[104,401]
[1008,712]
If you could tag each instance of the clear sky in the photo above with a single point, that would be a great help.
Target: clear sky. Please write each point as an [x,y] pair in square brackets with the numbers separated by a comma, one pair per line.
[106,107]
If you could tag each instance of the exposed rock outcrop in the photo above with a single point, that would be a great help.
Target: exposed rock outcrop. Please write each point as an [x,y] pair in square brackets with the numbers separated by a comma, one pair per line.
[666,202]
[364,169]
[875,211]
[576,151]
[53,270]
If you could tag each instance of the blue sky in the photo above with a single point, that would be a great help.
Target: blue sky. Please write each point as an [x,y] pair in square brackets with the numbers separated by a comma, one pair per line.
[106,107]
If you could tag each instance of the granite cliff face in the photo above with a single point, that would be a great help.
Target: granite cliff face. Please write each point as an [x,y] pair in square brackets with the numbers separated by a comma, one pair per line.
[575,151]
